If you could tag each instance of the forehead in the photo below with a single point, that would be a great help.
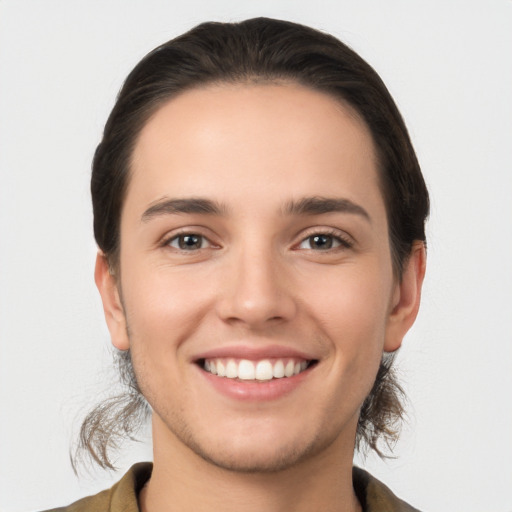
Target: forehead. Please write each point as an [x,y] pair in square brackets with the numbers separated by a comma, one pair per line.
[274,135]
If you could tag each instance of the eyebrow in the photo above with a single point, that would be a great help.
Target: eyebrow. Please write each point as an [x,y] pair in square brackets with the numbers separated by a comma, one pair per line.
[166,206]
[320,205]
[305,206]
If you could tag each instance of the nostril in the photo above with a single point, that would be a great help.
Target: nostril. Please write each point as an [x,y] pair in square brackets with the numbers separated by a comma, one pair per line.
[254,299]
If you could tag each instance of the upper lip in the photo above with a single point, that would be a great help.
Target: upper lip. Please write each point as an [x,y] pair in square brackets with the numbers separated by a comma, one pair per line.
[254,353]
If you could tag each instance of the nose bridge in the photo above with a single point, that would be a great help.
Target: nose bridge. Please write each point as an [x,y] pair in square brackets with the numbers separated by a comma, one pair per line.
[256,291]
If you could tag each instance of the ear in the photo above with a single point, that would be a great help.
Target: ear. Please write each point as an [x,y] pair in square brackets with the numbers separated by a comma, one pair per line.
[406,298]
[112,305]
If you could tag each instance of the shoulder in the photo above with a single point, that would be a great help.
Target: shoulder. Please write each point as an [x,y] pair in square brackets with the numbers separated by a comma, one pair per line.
[122,497]
[375,496]
[99,502]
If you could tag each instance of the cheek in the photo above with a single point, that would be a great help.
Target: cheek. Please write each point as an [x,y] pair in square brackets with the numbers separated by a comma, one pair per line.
[351,300]
[352,313]
[163,310]
[164,305]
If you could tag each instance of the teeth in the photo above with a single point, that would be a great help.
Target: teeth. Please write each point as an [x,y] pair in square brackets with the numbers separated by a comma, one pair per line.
[246,370]
[231,370]
[278,370]
[265,369]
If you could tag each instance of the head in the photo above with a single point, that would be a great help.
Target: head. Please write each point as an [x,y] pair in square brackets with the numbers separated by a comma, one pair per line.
[285,60]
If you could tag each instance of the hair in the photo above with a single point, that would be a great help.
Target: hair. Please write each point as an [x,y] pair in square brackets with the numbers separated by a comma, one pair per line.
[258,50]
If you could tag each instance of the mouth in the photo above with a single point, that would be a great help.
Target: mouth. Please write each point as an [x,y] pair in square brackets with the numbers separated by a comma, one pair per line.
[262,370]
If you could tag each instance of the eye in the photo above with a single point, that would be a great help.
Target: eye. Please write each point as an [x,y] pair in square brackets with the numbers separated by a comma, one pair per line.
[188,242]
[323,242]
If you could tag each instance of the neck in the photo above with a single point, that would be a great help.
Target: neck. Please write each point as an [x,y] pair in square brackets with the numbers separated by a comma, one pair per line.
[182,480]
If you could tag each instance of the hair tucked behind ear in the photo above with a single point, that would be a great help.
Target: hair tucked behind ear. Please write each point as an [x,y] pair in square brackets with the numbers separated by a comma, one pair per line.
[382,412]
[114,420]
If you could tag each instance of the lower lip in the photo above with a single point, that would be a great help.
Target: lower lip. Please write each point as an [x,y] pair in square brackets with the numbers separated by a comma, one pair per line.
[255,390]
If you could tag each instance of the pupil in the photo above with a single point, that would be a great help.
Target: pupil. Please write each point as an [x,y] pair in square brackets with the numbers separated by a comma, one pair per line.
[190,242]
[322,241]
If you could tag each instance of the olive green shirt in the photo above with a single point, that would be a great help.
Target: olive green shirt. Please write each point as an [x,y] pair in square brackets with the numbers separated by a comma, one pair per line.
[373,495]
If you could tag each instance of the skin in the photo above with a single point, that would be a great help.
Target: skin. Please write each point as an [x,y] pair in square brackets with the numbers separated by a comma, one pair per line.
[256,279]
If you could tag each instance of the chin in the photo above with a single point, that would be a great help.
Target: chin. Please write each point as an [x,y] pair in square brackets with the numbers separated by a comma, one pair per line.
[254,461]
[256,454]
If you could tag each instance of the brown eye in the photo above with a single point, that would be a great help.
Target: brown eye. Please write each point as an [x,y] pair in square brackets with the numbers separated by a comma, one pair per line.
[321,242]
[188,242]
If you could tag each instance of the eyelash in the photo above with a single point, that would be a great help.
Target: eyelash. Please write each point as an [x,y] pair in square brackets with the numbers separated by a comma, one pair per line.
[168,241]
[342,242]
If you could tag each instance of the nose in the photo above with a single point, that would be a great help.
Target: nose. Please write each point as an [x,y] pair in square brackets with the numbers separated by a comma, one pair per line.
[256,291]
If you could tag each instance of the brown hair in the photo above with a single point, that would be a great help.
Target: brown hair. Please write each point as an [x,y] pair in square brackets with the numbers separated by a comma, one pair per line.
[263,50]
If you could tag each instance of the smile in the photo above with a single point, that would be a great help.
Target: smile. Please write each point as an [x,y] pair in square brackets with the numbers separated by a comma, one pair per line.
[262,370]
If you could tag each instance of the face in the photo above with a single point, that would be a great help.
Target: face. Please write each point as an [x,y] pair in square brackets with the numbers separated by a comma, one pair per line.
[256,289]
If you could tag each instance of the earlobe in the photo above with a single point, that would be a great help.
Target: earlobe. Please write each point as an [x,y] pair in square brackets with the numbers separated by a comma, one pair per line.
[107,285]
[407,298]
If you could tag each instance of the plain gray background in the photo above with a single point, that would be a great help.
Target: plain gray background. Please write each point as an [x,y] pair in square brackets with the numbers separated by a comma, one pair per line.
[449,66]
